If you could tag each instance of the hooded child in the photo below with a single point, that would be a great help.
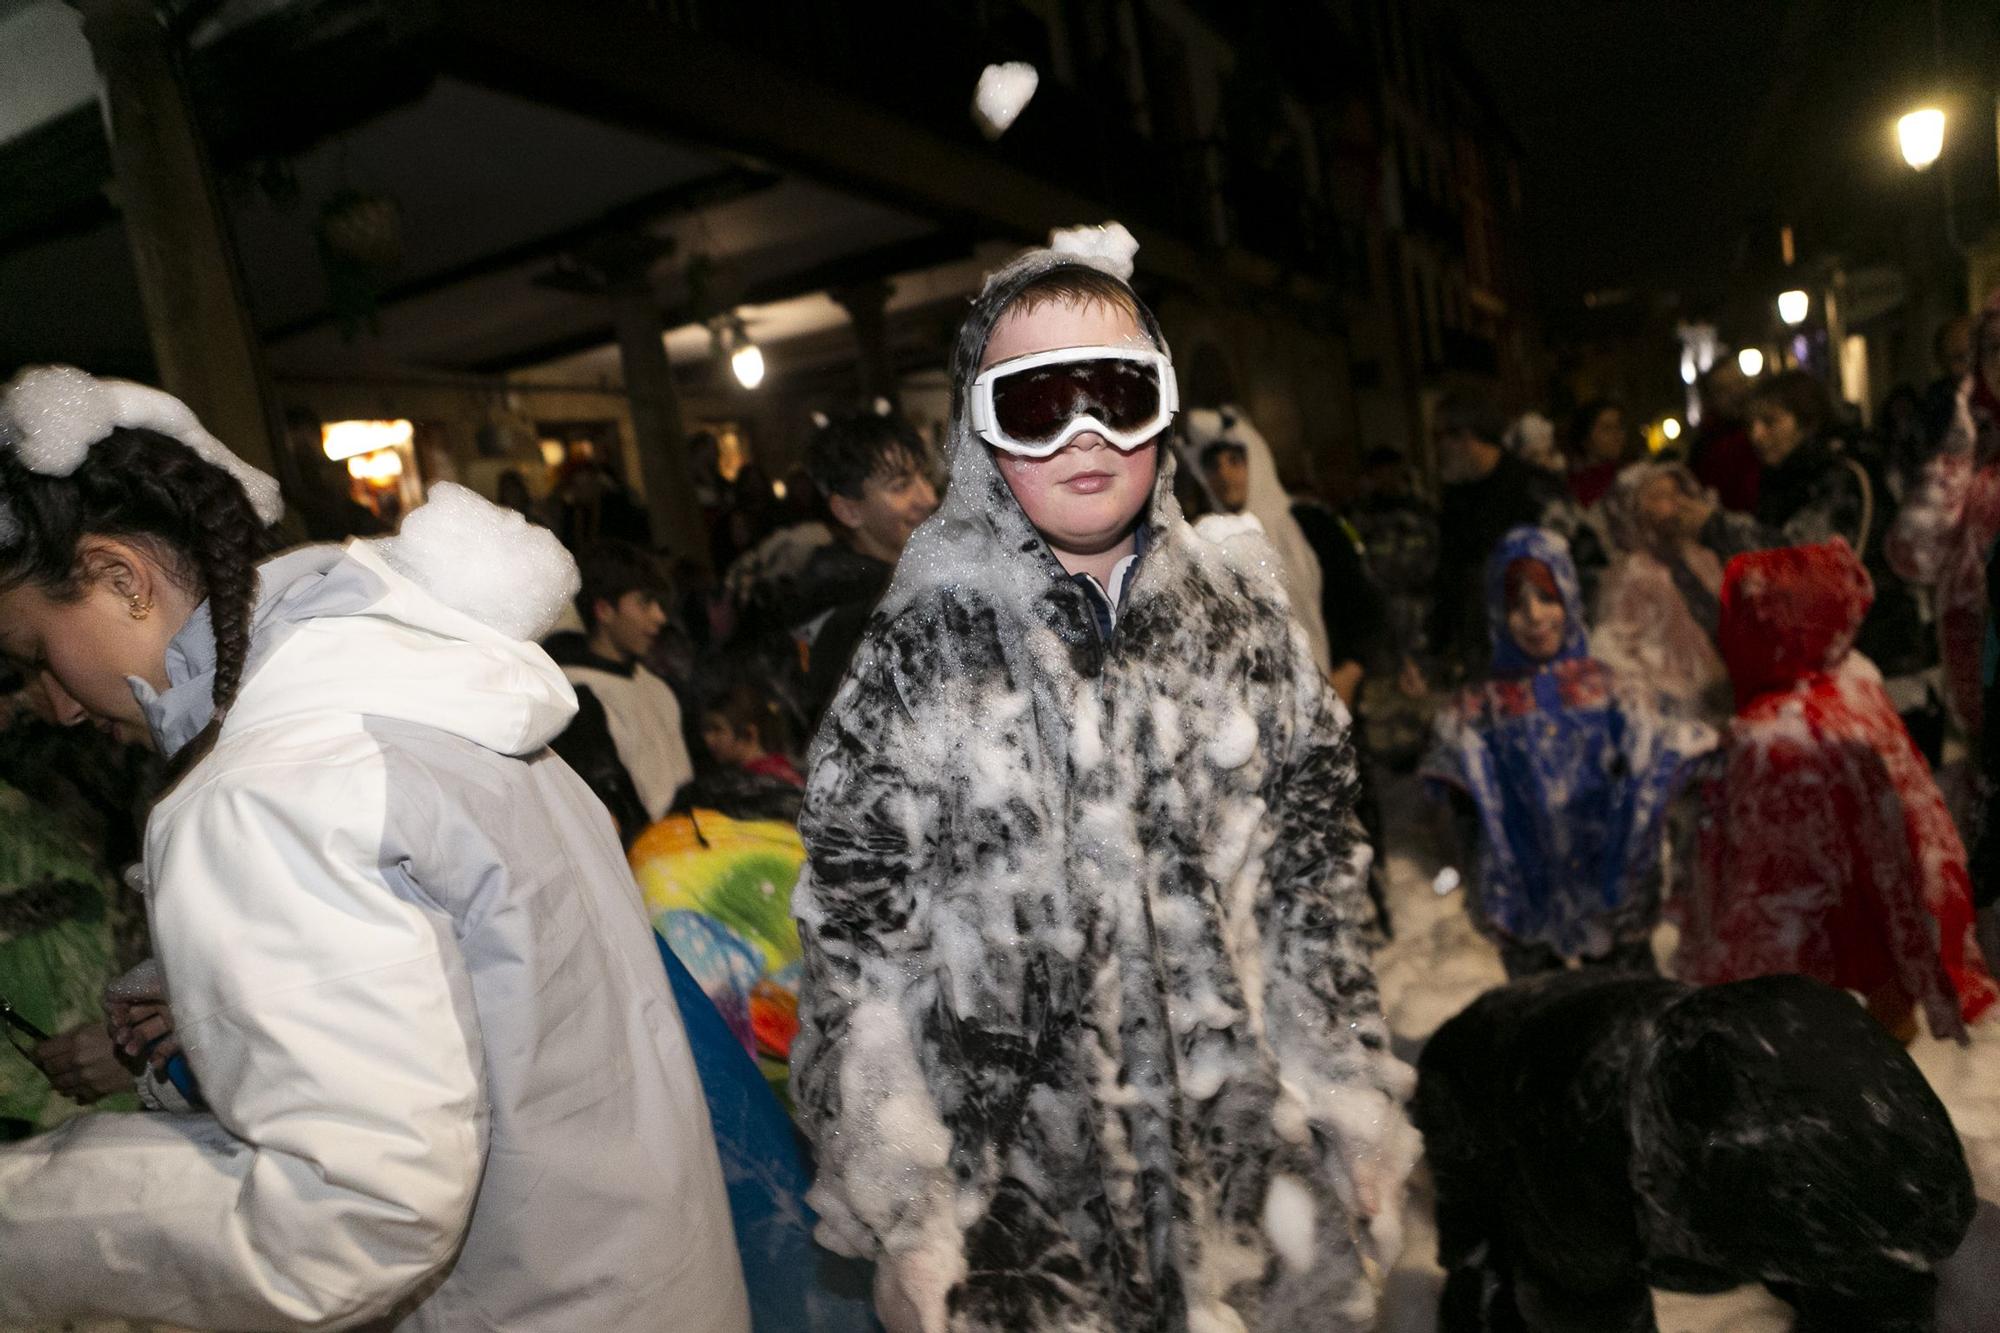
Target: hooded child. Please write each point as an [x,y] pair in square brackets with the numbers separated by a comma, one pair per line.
[1566,772]
[449,1086]
[1826,847]
[1234,462]
[1660,602]
[1090,1039]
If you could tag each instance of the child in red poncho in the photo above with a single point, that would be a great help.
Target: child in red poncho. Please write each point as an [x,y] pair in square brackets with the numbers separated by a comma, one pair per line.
[1827,849]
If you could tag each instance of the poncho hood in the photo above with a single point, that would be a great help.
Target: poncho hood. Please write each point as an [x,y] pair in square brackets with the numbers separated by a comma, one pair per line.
[1791,613]
[1552,552]
[1622,518]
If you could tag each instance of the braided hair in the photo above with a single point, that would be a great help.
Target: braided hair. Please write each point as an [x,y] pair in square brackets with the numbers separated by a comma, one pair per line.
[153,491]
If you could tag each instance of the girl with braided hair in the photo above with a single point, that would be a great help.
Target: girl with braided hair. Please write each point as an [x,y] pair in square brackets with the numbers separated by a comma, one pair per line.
[449,1087]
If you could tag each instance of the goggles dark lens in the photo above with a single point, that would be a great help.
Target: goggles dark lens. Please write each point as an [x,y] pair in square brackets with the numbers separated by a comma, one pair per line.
[1034,405]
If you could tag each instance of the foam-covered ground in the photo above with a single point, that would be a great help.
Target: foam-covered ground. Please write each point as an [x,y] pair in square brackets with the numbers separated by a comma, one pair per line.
[1437,964]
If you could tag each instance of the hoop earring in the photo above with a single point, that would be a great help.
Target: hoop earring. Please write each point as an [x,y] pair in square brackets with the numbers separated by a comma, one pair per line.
[141,607]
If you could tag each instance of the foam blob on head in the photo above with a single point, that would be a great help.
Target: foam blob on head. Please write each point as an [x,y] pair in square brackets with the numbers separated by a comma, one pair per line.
[1109,247]
[51,416]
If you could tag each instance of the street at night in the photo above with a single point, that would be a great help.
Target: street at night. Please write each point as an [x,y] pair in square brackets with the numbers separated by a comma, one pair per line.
[1105,666]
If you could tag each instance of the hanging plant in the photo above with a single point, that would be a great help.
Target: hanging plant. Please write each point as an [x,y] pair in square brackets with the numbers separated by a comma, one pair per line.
[361,247]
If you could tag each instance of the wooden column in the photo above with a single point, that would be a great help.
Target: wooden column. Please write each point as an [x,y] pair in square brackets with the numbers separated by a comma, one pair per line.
[198,319]
[867,307]
[625,265]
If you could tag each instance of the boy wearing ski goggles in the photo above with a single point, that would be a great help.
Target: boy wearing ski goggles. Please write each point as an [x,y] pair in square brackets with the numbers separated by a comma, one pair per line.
[1072,396]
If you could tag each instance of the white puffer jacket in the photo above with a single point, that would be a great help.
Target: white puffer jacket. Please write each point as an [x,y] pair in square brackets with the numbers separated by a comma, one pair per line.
[449,1083]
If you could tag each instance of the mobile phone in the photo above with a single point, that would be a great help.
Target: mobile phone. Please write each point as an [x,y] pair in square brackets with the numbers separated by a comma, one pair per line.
[12,1018]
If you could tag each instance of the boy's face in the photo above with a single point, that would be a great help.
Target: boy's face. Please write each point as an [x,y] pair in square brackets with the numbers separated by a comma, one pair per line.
[894,502]
[1227,470]
[631,623]
[1085,497]
[727,748]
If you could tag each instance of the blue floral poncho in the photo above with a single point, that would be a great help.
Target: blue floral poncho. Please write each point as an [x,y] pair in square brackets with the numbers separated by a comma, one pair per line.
[1569,771]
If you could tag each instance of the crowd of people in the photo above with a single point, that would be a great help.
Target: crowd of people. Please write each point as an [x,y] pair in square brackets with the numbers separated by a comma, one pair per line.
[518,927]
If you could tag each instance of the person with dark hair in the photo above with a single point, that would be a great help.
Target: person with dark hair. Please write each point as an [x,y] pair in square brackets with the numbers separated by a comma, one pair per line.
[1721,455]
[1599,445]
[1399,541]
[1593,1136]
[1954,349]
[627,740]
[873,471]
[1945,533]
[406,961]
[1808,489]
[1487,493]
[743,729]
[1088,1033]
[1811,489]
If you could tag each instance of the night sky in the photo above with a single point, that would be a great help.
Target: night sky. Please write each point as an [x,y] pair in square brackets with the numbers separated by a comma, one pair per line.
[1665,143]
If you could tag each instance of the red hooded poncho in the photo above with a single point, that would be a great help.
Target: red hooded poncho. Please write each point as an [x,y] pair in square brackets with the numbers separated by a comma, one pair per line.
[1827,849]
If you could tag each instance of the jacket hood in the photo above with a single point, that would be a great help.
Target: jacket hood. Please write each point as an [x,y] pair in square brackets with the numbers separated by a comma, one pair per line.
[979,517]
[1628,526]
[1790,613]
[1298,564]
[1550,550]
[407,628]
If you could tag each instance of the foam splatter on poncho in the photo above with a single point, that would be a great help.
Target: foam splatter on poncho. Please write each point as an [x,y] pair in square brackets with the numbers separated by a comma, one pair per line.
[1570,771]
[1090,1040]
[1826,848]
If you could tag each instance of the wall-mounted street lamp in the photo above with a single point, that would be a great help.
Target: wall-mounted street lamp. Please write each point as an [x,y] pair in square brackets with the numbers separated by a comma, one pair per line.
[1920,135]
[1793,305]
[1751,362]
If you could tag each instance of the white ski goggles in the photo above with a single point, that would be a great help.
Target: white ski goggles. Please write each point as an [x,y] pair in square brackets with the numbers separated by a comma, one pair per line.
[1033,405]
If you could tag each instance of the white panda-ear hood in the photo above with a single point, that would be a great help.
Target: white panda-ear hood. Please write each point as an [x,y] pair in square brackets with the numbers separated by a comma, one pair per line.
[434,626]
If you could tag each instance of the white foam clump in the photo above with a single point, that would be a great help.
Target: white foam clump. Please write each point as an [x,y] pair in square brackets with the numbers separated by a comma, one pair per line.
[1291,1221]
[56,413]
[1234,741]
[1109,247]
[1002,95]
[485,562]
